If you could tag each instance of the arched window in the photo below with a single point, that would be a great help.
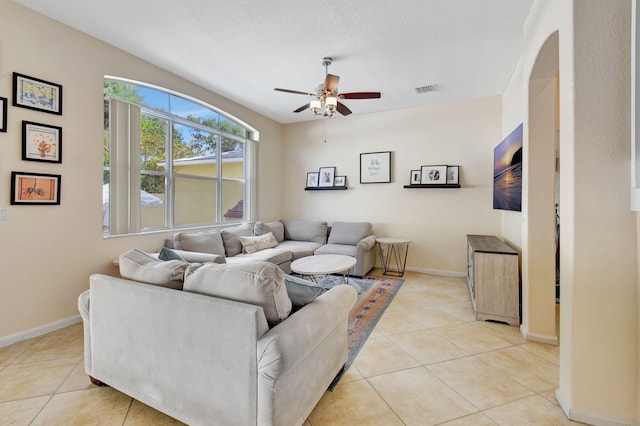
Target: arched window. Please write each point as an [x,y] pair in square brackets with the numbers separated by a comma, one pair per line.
[171,161]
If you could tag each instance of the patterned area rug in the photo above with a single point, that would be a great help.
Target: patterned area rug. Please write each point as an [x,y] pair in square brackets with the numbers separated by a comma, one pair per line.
[375,293]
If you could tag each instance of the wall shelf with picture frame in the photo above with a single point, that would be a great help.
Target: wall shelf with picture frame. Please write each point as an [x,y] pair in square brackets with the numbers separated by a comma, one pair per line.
[442,186]
[435,176]
[325,179]
[326,188]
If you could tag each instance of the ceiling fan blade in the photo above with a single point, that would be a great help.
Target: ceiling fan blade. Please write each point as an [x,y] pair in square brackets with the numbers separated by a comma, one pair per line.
[342,109]
[294,91]
[303,107]
[360,95]
[331,82]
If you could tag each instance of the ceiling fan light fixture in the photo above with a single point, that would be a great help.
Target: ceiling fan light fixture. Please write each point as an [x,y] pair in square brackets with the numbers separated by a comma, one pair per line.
[326,103]
[315,106]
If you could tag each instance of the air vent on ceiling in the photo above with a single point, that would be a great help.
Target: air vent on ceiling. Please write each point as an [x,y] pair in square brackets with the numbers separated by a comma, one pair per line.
[426,89]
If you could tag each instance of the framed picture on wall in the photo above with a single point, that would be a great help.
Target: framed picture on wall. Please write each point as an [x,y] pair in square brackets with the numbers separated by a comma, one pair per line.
[41,142]
[35,188]
[375,167]
[453,175]
[340,181]
[33,93]
[433,175]
[326,176]
[414,178]
[312,180]
[3,114]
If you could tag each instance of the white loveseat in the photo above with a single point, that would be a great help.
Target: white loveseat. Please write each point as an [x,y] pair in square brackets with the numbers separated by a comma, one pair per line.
[205,357]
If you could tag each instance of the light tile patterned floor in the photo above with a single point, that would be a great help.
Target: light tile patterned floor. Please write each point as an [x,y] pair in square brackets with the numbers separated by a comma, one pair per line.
[426,363]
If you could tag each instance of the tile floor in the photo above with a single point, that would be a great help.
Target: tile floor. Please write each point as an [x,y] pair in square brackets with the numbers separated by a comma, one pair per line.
[426,363]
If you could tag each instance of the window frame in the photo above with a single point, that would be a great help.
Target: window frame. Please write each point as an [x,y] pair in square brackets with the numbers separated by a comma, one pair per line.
[249,159]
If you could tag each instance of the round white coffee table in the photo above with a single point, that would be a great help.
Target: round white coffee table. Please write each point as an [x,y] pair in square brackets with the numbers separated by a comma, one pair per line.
[323,264]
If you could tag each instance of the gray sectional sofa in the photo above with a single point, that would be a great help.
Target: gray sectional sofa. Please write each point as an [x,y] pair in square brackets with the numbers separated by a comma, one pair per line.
[225,351]
[292,239]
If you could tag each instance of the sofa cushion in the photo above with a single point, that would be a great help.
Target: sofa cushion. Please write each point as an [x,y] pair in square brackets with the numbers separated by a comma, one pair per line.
[257,283]
[299,249]
[231,238]
[301,291]
[277,228]
[305,230]
[261,242]
[203,242]
[139,266]
[348,232]
[274,255]
[343,249]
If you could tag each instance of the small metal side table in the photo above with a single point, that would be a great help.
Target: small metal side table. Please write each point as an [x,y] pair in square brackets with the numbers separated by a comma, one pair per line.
[394,254]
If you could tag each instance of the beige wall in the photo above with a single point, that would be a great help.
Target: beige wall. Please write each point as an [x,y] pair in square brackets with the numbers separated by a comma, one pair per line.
[49,251]
[599,333]
[436,220]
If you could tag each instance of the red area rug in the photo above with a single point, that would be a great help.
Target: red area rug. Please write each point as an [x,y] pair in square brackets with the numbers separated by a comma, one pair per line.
[375,295]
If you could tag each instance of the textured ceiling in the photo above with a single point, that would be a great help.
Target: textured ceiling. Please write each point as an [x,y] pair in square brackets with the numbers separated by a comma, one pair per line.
[243,49]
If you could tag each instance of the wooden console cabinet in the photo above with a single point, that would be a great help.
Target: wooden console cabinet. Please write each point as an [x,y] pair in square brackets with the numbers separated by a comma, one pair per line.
[493,276]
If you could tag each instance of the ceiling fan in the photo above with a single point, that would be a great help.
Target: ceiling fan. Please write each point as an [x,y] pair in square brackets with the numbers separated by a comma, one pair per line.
[326,96]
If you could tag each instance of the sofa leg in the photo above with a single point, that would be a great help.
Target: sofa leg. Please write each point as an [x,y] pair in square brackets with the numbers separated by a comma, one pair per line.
[96,381]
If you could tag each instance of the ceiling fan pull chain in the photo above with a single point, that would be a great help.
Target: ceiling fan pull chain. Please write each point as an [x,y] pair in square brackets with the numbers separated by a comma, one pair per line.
[324,123]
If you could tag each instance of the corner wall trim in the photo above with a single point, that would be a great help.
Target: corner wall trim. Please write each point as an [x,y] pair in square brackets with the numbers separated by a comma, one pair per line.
[587,417]
[39,331]
[540,338]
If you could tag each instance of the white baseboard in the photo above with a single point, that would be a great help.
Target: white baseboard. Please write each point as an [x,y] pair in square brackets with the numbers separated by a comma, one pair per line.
[540,338]
[39,331]
[438,272]
[587,417]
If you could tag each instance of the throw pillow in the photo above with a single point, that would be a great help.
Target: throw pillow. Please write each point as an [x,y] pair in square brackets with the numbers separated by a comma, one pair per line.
[301,291]
[168,254]
[203,242]
[261,242]
[139,266]
[231,238]
[257,283]
[277,228]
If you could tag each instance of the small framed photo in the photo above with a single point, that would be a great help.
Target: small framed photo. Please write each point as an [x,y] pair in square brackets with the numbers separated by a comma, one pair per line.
[326,177]
[414,178]
[33,93]
[312,180]
[340,181]
[41,142]
[3,114]
[35,188]
[375,167]
[433,175]
[453,175]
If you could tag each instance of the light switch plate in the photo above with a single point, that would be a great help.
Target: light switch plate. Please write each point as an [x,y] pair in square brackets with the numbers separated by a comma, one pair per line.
[4,213]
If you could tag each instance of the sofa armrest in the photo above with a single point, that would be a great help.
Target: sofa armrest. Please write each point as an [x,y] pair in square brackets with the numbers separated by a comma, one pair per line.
[83,307]
[285,345]
[197,257]
[298,358]
[367,243]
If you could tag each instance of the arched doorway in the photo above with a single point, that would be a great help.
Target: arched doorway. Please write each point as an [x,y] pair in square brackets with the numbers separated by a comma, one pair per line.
[539,319]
